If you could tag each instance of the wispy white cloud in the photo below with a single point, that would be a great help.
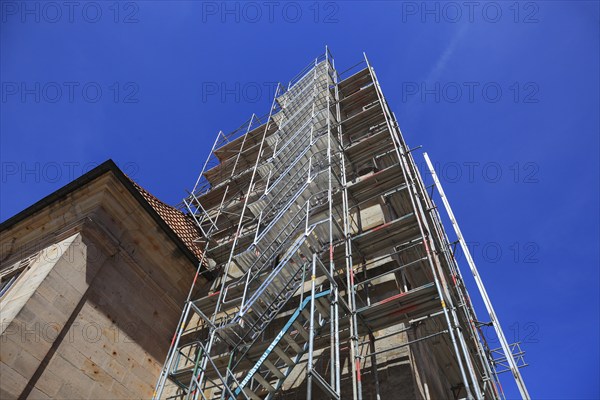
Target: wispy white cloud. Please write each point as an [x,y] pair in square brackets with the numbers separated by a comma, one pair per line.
[439,67]
[413,107]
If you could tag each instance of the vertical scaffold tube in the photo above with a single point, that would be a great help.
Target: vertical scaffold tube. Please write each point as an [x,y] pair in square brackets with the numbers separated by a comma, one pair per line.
[423,229]
[486,300]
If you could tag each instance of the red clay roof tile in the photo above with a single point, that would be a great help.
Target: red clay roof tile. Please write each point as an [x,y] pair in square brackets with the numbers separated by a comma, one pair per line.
[182,225]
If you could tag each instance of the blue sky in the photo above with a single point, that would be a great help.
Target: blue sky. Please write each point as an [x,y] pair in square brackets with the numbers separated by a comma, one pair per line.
[503,96]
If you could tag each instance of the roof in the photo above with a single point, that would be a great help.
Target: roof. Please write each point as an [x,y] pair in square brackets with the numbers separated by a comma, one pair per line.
[182,224]
[178,226]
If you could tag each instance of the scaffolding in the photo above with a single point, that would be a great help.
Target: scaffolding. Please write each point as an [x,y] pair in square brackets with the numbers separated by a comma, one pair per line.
[323,246]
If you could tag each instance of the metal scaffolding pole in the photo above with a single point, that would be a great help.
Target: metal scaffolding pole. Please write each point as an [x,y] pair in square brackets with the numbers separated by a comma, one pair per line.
[273,203]
[335,345]
[182,321]
[311,332]
[351,293]
[464,304]
[486,300]
[417,207]
[207,353]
